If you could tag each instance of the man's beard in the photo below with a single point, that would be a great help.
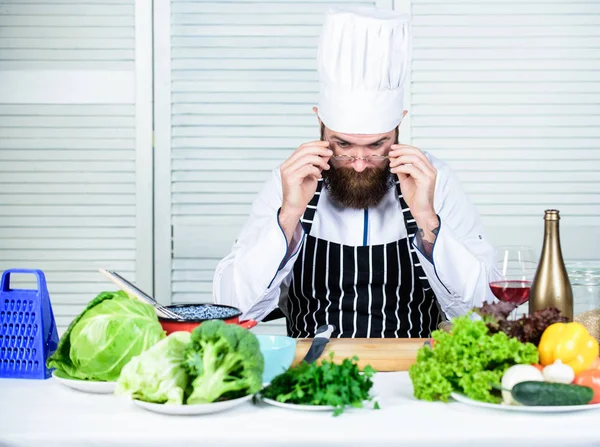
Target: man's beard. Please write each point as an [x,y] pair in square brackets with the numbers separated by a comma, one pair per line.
[358,190]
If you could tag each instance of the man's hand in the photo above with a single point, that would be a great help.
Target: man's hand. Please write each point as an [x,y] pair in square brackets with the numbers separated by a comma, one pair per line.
[299,178]
[417,181]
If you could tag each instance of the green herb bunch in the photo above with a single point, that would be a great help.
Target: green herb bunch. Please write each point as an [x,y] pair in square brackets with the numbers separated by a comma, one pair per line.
[328,384]
[470,360]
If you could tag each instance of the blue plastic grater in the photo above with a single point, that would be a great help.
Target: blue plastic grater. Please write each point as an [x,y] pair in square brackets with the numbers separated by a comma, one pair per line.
[28,334]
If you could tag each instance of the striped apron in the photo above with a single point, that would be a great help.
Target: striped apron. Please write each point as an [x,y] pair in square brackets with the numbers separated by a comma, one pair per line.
[373,291]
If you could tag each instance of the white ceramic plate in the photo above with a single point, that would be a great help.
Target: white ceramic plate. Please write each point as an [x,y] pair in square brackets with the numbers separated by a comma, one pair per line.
[87,386]
[191,410]
[300,407]
[523,408]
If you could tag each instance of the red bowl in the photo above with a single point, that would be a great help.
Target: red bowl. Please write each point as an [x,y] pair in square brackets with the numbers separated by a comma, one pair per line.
[172,325]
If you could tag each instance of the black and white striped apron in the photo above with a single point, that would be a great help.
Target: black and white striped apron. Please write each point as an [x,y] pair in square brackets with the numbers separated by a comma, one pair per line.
[371,291]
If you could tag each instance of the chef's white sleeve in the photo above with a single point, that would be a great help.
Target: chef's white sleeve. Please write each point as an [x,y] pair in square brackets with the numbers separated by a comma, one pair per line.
[463,261]
[261,260]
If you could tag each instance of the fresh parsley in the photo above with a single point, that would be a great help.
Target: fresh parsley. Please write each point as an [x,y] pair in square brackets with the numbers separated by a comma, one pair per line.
[339,385]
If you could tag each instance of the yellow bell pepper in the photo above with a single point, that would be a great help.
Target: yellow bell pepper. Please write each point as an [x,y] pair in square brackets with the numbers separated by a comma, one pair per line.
[571,343]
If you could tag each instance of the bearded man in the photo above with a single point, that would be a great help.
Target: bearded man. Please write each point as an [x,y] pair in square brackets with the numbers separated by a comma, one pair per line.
[355,230]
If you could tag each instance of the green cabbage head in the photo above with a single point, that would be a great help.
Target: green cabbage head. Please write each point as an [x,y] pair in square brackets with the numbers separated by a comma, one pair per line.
[157,375]
[111,330]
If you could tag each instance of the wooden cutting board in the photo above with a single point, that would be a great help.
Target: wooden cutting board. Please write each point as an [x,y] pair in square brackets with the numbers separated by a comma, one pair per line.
[385,354]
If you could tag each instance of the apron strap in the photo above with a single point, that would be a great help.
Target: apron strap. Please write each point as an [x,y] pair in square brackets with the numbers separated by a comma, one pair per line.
[411,229]
[409,220]
[311,209]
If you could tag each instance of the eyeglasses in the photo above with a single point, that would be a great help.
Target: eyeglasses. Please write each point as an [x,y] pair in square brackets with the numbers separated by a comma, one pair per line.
[350,158]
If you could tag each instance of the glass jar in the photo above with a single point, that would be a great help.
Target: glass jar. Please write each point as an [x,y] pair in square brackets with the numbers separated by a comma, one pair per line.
[585,281]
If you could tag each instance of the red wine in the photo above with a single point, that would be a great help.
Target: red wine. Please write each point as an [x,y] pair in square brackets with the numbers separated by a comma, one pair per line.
[514,291]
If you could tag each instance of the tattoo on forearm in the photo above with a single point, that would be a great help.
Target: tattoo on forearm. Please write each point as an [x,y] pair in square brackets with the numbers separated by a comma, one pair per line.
[428,246]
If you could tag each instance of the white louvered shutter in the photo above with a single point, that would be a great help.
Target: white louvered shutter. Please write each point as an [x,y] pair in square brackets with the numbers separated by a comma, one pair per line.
[508,93]
[68,194]
[242,83]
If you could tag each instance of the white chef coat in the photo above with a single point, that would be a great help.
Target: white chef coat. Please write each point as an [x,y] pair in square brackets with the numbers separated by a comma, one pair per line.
[251,276]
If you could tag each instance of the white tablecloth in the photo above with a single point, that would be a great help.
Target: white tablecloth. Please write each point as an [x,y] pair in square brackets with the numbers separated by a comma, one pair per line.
[46,413]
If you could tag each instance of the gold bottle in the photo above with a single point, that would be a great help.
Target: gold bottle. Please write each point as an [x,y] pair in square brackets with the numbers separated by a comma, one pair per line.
[551,286]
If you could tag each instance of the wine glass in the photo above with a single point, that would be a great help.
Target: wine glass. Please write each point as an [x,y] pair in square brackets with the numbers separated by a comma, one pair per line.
[517,265]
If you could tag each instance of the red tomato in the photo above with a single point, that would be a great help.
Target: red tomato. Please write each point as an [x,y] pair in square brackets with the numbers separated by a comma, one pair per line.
[538,366]
[591,378]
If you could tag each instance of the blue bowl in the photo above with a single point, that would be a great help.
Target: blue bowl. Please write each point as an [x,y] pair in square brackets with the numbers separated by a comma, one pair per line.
[279,352]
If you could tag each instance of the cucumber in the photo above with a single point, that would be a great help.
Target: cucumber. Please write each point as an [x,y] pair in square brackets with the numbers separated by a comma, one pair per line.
[551,394]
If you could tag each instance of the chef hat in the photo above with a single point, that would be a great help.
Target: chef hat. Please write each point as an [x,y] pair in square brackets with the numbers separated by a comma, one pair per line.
[362,62]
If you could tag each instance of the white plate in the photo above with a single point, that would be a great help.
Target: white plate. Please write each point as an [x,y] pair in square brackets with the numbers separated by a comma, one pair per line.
[298,406]
[523,408]
[87,386]
[190,410]
[301,407]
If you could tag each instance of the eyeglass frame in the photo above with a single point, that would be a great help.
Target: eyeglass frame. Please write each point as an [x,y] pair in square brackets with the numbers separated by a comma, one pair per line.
[352,158]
